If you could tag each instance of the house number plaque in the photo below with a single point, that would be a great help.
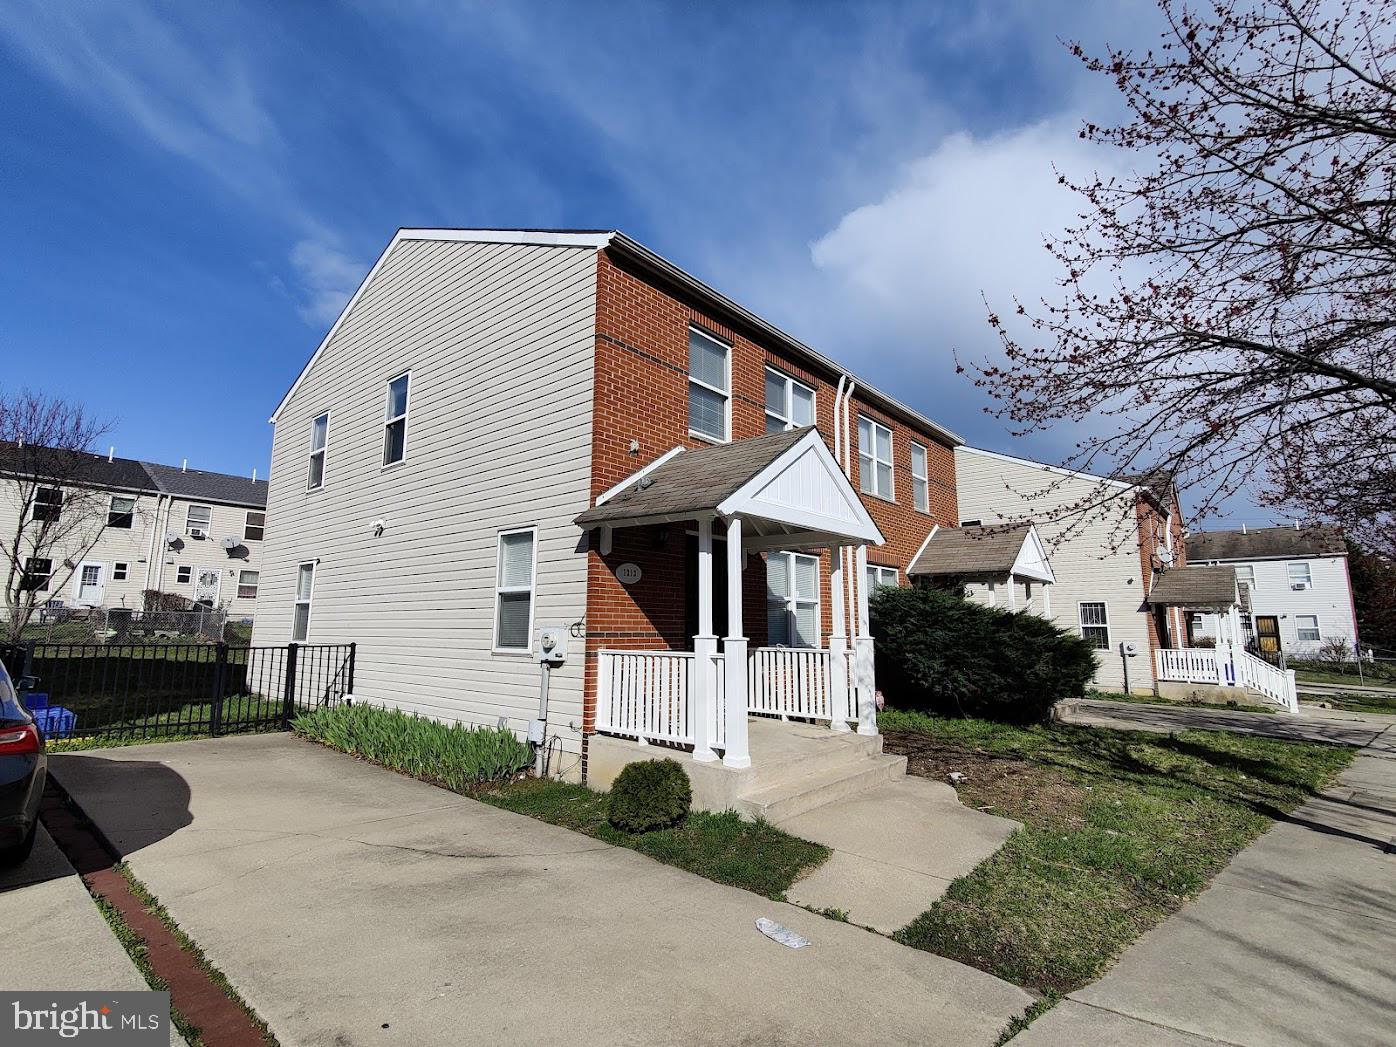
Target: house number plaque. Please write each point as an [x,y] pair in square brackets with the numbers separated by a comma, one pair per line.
[628,573]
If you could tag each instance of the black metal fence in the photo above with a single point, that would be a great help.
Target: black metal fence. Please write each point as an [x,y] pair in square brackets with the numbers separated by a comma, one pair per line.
[170,690]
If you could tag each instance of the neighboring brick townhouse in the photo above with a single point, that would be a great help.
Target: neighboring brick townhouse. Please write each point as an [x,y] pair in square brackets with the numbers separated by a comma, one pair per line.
[508,429]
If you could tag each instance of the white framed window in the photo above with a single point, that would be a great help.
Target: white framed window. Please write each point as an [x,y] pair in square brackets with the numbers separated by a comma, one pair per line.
[792,600]
[1306,628]
[709,386]
[37,572]
[256,526]
[305,595]
[48,504]
[119,571]
[395,419]
[247,585]
[515,574]
[789,404]
[1094,619]
[1299,574]
[319,440]
[184,574]
[920,478]
[875,459]
[878,576]
[198,521]
[1245,575]
[121,513]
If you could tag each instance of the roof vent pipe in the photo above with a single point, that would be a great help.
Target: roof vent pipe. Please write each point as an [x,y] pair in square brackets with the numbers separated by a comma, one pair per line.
[254,476]
[111,452]
[1243,528]
[184,466]
[1296,525]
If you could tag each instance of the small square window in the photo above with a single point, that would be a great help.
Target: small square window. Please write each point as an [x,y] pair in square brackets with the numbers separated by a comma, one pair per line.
[48,504]
[118,571]
[184,574]
[1306,628]
[255,527]
[122,512]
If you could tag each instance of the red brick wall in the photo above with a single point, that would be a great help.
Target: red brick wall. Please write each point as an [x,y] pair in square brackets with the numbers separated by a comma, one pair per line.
[641,393]
[1154,526]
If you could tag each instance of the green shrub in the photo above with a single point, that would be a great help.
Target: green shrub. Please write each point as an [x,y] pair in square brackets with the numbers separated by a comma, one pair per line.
[452,754]
[649,795]
[938,651]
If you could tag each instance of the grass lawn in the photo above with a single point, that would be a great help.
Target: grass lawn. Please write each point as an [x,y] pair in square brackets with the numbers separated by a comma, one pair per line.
[721,847]
[242,713]
[1149,699]
[1354,702]
[1120,829]
[1372,676]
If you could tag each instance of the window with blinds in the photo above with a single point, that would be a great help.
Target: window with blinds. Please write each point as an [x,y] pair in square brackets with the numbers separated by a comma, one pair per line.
[709,385]
[513,594]
[792,600]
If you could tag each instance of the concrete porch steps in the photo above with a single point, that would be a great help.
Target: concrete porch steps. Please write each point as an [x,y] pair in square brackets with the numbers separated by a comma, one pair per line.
[802,792]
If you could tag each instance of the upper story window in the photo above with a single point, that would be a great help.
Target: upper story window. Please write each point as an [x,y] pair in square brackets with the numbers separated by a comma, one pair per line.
[792,600]
[1299,574]
[1095,624]
[256,526]
[122,511]
[48,504]
[1245,575]
[395,421]
[709,386]
[37,572]
[319,440]
[920,478]
[198,521]
[875,459]
[789,404]
[513,591]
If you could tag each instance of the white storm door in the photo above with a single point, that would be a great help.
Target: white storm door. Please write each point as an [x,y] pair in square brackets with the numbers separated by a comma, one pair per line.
[91,584]
[206,583]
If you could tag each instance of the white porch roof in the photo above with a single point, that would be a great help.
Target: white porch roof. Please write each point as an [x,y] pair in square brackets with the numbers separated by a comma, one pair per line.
[787,487]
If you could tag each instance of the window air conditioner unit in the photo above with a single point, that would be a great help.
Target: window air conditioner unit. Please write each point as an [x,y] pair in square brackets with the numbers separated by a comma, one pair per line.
[1298,586]
[197,533]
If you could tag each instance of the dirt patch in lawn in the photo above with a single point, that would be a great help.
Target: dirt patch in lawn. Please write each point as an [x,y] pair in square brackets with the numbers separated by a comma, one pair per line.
[994,782]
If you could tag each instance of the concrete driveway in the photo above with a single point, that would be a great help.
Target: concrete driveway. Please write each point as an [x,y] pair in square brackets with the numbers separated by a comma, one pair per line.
[350,906]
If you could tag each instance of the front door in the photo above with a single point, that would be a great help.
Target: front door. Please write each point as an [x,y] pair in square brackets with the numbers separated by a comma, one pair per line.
[206,585]
[91,584]
[1267,633]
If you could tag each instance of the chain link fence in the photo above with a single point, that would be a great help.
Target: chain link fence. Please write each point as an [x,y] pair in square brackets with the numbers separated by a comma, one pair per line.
[121,625]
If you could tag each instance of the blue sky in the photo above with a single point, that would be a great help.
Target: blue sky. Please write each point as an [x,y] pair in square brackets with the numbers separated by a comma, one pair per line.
[188,192]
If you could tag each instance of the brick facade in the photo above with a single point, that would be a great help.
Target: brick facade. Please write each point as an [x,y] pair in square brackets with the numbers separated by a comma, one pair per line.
[641,394]
[1154,526]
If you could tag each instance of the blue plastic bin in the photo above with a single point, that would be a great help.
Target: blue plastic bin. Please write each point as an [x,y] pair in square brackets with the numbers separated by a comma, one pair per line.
[34,700]
[55,721]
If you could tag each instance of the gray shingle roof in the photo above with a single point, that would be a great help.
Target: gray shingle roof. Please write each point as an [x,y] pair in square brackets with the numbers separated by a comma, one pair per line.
[215,487]
[123,474]
[693,481]
[1266,542]
[1194,587]
[971,551]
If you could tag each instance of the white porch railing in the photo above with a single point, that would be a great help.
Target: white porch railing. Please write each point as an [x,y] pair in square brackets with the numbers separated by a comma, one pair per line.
[644,694]
[793,681]
[1227,667]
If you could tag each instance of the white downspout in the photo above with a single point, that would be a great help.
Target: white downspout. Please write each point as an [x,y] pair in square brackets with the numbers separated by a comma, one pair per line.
[152,545]
[852,583]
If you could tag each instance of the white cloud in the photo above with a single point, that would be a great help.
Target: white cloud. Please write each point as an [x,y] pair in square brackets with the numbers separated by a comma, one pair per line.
[965,222]
[328,276]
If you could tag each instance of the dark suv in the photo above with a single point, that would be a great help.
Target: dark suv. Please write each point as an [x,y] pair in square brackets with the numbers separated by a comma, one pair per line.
[23,768]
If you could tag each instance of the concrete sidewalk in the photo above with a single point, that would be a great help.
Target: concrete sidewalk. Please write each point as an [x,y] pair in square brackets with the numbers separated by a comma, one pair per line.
[352,905]
[55,939]
[1290,945]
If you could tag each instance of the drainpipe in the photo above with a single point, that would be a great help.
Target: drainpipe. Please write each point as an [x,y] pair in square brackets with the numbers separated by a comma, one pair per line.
[153,544]
[850,582]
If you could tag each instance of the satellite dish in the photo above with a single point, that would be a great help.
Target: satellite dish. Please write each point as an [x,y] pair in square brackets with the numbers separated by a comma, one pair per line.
[171,538]
[1165,556]
[230,543]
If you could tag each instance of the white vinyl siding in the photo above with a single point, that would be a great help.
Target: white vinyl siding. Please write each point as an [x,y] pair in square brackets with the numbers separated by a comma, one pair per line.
[789,404]
[1094,620]
[513,591]
[198,518]
[500,340]
[878,576]
[395,420]
[305,595]
[319,445]
[920,478]
[709,386]
[792,600]
[875,459]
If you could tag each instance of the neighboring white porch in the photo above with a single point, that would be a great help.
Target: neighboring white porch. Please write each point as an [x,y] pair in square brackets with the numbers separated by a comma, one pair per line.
[772,493]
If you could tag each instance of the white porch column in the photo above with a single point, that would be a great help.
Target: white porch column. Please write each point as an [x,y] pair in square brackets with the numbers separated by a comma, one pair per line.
[734,655]
[702,683]
[863,682]
[1223,647]
[1012,592]
[1047,600]
[838,646]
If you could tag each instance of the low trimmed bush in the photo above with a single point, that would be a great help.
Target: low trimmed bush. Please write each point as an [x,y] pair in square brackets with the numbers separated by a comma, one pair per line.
[649,795]
[455,755]
[943,653]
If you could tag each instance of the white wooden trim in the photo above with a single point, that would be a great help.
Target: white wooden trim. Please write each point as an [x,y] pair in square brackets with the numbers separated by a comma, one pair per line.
[324,452]
[891,462]
[924,477]
[247,523]
[527,650]
[790,382]
[1081,626]
[912,562]
[634,478]
[77,582]
[726,394]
